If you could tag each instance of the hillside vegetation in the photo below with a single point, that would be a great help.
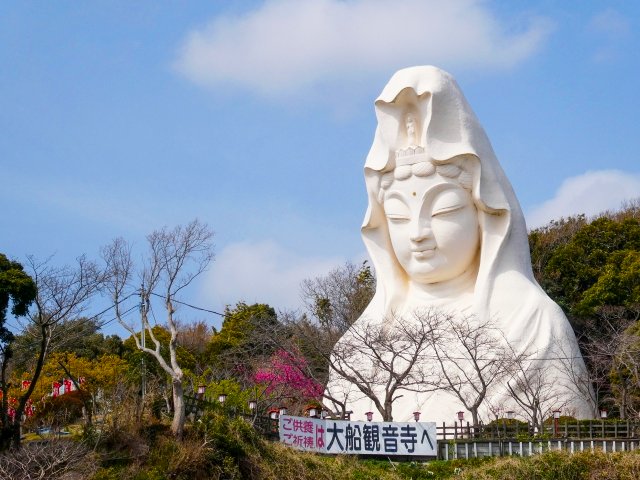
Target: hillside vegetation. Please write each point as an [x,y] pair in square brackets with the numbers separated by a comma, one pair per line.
[118,427]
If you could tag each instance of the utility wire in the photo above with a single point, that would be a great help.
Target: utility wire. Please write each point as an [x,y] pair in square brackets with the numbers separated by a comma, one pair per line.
[86,320]
[189,305]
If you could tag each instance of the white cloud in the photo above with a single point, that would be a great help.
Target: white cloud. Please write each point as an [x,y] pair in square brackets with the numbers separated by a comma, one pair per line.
[612,29]
[285,45]
[610,23]
[590,193]
[262,272]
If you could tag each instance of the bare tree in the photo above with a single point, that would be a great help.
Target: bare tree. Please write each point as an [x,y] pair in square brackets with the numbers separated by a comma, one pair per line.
[337,299]
[62,293]
[175,258]
[533,386]
[44,460]
[600,348]
[611,349]
[472,358]
[382,360]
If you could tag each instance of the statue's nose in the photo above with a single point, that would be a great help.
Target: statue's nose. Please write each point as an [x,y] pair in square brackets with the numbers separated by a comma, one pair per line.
[420,233]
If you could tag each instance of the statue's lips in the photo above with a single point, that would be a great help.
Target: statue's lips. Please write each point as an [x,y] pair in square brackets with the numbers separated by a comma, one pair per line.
[424,253]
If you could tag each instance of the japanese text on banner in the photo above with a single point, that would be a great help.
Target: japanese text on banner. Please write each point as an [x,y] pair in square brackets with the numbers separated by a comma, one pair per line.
[362,438]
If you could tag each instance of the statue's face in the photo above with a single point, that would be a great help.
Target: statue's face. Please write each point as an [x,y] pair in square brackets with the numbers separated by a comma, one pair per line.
[433,225]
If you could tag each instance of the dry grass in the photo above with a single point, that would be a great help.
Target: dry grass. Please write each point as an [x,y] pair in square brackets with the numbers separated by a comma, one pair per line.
[561,466]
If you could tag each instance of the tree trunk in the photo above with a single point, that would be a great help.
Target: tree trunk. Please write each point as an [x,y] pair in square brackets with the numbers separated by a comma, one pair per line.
[6,434]
[474,417]
[15,434]
[179,417]
[388,415]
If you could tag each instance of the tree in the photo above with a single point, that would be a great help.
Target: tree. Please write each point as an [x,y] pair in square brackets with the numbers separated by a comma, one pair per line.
[149,374]
[93,379]
[472,356]
[175,258]
[333,302]
[591,268]
[284,377]
[619,353]
[606,341]
[339,298]
[51,459]
[584,264]
[17,289]
[246,335]
[62,293]
[383,359]
[77,335]
[533,388]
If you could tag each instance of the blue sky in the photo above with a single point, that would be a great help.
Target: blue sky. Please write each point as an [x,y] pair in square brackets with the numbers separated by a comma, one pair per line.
[255,117]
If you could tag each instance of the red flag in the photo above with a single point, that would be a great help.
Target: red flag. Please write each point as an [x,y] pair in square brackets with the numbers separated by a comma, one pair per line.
[26,384]
[56,389]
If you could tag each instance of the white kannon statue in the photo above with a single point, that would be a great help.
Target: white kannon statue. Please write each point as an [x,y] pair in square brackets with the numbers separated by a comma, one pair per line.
[444,231]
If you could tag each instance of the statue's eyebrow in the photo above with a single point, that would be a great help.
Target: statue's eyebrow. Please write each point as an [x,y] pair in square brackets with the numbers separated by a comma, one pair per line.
[435,189]
[396,194]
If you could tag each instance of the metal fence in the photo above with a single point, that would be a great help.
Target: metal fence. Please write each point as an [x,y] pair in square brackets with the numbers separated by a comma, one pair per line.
[487,448]
[499,438]
[511,429]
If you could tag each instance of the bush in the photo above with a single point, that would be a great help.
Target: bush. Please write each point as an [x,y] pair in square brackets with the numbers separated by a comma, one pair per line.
[561,466]
[48,459]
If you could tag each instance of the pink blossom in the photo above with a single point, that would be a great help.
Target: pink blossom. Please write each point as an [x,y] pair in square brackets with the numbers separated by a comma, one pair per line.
[285,373]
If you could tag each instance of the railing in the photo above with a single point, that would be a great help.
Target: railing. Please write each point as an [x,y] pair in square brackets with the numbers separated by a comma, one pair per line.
[478,448]
[265,426]
[510,429]
[506,437]
[196,405]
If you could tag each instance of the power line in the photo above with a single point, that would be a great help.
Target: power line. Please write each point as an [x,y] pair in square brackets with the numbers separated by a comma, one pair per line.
[121,315]
[189,305]
[84,321]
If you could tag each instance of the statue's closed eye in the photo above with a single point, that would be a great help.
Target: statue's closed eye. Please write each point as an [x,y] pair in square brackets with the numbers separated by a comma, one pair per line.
[396,210]
[448,202]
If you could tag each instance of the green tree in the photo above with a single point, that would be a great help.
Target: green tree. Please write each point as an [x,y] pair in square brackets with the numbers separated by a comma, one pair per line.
[591,268]
[244,338]
[80,336]
[576,266]
[18,290]
[62,293]
[618,283]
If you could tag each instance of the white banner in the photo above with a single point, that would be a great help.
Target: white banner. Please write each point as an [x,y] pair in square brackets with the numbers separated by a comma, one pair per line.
[362,438]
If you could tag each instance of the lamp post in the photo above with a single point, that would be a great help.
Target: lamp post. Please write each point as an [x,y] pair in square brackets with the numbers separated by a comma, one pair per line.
[604,413]
[282,411]
[347,415]
[253,406]
[416,416]
[313,411]
[201,390]
[556,418]
[510,414]
[460,415]
[222,398]
[324,414]
[369,416]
